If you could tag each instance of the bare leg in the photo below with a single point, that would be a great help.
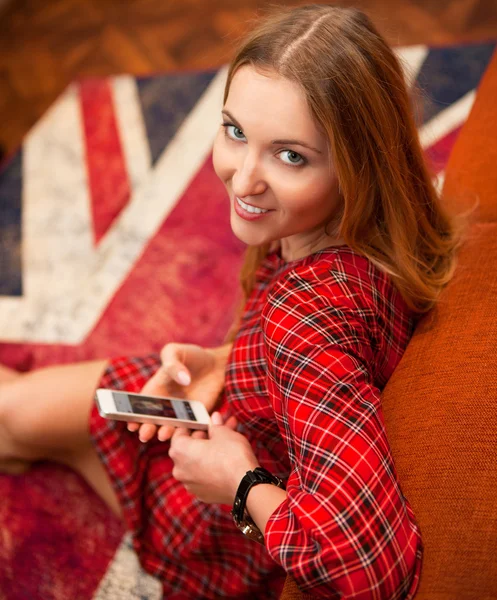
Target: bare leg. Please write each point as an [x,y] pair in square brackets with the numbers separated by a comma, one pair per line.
[44,416]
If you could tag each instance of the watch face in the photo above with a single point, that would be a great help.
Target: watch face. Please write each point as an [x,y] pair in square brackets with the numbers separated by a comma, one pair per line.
[251,530]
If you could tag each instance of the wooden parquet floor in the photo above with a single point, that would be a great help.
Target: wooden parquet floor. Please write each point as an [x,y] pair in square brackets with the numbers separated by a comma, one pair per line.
[45,44]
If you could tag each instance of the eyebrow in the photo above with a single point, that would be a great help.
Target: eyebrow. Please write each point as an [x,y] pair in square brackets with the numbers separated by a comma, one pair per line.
[286,141]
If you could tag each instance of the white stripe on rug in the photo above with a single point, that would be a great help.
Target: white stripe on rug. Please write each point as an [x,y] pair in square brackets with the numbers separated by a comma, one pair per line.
[412,59]
[131,126]
[447,120]
[57,228]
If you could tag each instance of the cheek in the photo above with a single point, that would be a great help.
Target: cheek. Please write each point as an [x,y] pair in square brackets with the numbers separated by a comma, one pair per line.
[300,195]
[221,158]
[311,197]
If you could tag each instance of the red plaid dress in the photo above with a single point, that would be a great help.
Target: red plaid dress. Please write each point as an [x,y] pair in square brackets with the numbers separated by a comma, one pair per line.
[319,339]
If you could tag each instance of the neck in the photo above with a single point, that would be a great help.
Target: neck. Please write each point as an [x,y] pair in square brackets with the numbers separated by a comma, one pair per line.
[291,253]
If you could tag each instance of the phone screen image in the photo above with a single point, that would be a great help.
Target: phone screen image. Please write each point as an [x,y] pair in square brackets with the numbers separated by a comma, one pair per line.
[170,409]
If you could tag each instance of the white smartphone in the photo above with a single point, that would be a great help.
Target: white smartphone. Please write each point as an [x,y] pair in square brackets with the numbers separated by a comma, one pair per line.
[157,410]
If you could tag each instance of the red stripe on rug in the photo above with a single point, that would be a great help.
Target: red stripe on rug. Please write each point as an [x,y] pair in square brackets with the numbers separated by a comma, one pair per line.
[438,154]
[106,166]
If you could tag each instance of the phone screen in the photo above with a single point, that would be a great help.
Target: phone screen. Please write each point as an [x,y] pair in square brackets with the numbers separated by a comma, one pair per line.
[170,409]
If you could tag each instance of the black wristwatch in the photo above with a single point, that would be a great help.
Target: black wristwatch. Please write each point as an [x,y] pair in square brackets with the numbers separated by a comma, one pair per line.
[240,516]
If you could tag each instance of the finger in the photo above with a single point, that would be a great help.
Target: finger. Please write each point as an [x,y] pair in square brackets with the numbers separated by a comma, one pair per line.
[133,426]
[173,366]
[147,432]
[232,423]
[157,384]
[177,372]
[199,435]
[180,432]
[165,433]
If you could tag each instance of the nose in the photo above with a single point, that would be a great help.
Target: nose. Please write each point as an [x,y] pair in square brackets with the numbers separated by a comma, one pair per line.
[248,178]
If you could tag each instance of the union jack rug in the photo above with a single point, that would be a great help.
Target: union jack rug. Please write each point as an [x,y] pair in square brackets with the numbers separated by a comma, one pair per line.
[115,239]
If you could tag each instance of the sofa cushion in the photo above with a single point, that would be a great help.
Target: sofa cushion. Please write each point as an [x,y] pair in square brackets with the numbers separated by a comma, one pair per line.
[440,409]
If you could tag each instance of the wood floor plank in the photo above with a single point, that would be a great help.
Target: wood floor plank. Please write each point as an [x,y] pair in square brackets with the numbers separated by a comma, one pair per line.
[128,55]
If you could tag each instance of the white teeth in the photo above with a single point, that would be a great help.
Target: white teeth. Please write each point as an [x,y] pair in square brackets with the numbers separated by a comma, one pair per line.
[251,209]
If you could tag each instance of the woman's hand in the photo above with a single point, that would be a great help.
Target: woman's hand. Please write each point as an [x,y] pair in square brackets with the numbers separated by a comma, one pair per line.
[187,371]
[212,467]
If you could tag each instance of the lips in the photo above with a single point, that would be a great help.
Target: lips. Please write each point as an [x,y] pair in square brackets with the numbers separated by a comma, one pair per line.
[244,204]
[247,215]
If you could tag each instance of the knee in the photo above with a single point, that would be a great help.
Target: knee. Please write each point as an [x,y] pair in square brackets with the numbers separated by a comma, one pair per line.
[4,404]
[15,424]
[19,435]
[6,437]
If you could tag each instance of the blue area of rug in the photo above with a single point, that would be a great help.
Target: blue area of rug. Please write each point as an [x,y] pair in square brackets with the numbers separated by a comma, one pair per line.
[10,228]
[450,72]
[166,101]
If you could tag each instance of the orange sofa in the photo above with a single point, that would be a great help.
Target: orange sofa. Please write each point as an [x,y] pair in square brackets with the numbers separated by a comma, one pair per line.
[440,406]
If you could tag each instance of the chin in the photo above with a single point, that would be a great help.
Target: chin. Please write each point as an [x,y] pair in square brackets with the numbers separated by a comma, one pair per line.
[247,233]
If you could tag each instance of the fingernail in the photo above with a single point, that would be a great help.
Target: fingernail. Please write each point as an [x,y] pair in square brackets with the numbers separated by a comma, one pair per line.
[183,378]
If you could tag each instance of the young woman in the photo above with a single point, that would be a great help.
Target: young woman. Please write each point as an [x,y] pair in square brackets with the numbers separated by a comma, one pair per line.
[347,245]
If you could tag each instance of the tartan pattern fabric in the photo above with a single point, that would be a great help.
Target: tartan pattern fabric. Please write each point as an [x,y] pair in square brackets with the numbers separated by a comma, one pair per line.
[319,338]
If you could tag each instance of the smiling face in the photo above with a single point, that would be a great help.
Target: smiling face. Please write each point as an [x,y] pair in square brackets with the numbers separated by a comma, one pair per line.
[270,155]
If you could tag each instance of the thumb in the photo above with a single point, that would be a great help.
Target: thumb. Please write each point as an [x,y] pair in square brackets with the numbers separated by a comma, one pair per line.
[217,418]
[177,371]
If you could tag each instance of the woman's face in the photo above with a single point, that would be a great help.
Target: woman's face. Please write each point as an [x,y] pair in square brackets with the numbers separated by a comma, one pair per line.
[270,155]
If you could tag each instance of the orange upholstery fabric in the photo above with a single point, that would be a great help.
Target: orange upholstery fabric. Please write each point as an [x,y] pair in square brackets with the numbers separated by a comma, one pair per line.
[440,410]
[440,406]
[291,591]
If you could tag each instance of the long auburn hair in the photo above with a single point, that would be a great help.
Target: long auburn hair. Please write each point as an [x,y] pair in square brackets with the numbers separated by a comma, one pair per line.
[391,212]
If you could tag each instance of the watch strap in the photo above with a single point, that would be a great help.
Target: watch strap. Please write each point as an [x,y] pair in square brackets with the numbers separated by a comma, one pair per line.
[249,480]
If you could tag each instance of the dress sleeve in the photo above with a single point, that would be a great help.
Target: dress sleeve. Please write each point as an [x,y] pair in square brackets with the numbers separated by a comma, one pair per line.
[345,530]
